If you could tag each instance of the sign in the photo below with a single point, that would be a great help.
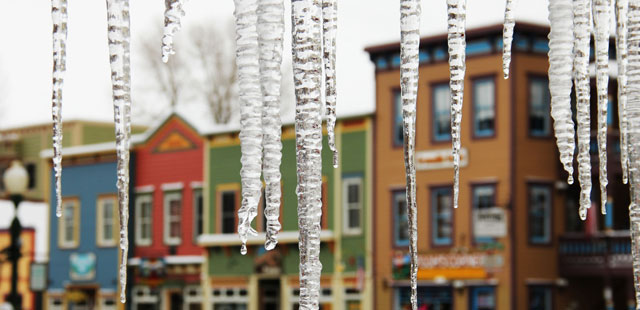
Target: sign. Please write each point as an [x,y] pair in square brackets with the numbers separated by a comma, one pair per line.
[83,266]
[451,266]
[490,222]
[38,277]
[439,159]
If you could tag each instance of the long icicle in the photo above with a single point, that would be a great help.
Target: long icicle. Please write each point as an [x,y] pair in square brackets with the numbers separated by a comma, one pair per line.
[330,29]
[172,14]
[59,17]
[621,59]
[307,72]
[119,53]
[410,12]
[456,10]
[560,70]
[507,35]
[582,34]
[270,37]
[601,21]
[247,58]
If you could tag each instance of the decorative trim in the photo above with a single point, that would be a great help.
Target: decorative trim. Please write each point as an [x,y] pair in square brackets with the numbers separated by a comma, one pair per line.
[175,186]
[145,189]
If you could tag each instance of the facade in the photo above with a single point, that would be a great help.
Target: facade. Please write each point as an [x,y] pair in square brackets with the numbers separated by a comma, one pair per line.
[500,248]
[27,238]
[265,280]
[167,217]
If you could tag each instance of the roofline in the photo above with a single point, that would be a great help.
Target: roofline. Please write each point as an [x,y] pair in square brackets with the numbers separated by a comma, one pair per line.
[48,124]
[153,129]
[88,149]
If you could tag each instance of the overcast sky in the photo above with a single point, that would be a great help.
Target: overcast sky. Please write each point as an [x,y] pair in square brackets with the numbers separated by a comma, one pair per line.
[25,56]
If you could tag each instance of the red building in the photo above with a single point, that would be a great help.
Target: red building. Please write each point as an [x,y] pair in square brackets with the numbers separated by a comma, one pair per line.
[167,216]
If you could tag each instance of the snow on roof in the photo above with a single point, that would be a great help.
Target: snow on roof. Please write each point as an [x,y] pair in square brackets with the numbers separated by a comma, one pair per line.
[104,147]
[32,215]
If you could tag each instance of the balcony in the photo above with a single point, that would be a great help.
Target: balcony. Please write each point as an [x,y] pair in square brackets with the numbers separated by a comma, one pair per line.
[595,255]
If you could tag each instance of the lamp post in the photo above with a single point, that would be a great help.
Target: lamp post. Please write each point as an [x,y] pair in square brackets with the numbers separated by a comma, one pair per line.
[15,180]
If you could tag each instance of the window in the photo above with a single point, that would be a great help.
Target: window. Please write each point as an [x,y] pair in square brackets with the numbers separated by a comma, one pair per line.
[539,107]
[400,218]
[484,91]
[32,172]
[429,297]
[198,210]
[540,298]
[352,204]
[107,221]
[228,216]
[69,223]
[539,214]
[483,198]
[441,113]
[172,217]
[143,220]
[398,133]
[441,216]
[483,298]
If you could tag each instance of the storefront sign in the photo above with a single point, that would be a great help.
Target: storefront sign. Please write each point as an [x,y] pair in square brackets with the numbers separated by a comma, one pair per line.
[439,159]
[83,266]
[38,277]
[490,222]
[449,266]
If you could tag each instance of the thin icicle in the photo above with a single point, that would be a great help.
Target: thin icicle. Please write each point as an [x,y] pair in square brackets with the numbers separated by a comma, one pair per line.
[601,21]
[270,36]
[560,70]
[410,11]
[307,73]
[119,52]
[621,59]
[330,29]
[507,35]
[456,10]
[582,34]
[59,17]
[247,58]
[172,14]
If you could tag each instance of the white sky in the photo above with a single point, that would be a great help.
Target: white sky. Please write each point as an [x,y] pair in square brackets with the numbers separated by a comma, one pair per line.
[31,215]
[25,56]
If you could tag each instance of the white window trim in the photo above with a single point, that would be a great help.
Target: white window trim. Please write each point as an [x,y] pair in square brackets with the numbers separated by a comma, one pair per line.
[346,182]
[63,244]
[146,189]
[176,186]
[195,211]
[140,199]
[168,196]
[197,184]
[101,241]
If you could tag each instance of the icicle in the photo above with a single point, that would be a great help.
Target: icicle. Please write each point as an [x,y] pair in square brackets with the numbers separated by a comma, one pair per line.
[456,10]
[270,36]
[560,69]
[582,34]
[410,11]
[247,53]
[621,59]
[507,36]
[172,14]
[601,21]
[307,72]
[330,27]
[119,36]
[59,17]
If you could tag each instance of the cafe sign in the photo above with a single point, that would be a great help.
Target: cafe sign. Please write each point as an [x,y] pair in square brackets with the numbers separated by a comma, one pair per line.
[490,222]
[450,266]
[83,266]
[439,159]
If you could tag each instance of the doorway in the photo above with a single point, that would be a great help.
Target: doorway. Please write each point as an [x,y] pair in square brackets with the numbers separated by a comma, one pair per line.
[269,294]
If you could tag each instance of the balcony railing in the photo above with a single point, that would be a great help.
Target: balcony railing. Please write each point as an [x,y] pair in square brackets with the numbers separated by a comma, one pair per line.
[598,254]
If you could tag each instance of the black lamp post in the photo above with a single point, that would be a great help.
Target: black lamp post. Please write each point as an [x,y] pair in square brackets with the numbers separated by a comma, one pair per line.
[15,180]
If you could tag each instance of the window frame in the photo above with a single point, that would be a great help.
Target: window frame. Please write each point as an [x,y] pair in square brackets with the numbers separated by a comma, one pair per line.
[548,290]
[549,130]
[549,219]
[62,242]
[476,133]
[435,138]
[140,199]
[346,205]
[435,241]
[394,194]
[167,197]
[396,94]
[473,296]
[197,192]
[483,240]
[220,190]
[100,224]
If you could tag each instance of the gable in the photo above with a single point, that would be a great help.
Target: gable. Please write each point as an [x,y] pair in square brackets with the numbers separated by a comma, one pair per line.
[174,141]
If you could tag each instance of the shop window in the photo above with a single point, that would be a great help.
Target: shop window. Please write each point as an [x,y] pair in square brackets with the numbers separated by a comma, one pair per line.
[483,198]
[107,221]
[484,91]
[198,212]
[398,134]
[230,306]
[32,172]
[540,298]
[483,298]
[352,204]
[442,216]
[441,113]
[539,214]
[400,218]
[539,107]
[69,224]
[430,297]
[143,219]
[228,214]
[172,217]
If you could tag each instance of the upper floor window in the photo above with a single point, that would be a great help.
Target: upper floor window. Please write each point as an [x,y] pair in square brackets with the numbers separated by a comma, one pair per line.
[484,105]
[400,218]
[228,215]
[483,198]
[539,107]
[172,217]
[69,224]
[143,223]
[540,298]
[483,298]
[198,212]
[441,113]
[539,214]
[398,133]
[441,216]
[32,172]
[352,204]
[107,221]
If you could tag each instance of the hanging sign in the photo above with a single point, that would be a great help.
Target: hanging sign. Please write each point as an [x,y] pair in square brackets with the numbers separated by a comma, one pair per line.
[489,222]
[83,266]
[439,159]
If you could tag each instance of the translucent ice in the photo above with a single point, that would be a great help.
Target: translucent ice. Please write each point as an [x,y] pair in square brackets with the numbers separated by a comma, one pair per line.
[507,36]
[59,17]
[330,27]
[621,59]
[172,14]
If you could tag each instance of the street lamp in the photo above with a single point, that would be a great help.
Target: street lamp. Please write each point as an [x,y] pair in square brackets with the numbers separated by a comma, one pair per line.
[15,180]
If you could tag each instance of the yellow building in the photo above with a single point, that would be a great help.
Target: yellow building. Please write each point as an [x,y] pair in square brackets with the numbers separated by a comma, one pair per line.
[28,250]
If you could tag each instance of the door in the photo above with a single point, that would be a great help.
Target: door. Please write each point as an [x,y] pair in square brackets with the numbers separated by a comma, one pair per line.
[269,294]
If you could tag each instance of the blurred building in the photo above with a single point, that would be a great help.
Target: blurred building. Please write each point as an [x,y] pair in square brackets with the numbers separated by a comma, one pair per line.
[508,245]
[27,238]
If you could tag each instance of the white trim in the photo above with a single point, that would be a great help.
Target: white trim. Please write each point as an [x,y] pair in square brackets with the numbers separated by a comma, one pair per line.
[106,147]
[100,237]
[140,199]
[346,182]
[145,189]
[197,184]
[175,186]
[197,191]
[168,240]
[233,239]
[62,242]
[183,259]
